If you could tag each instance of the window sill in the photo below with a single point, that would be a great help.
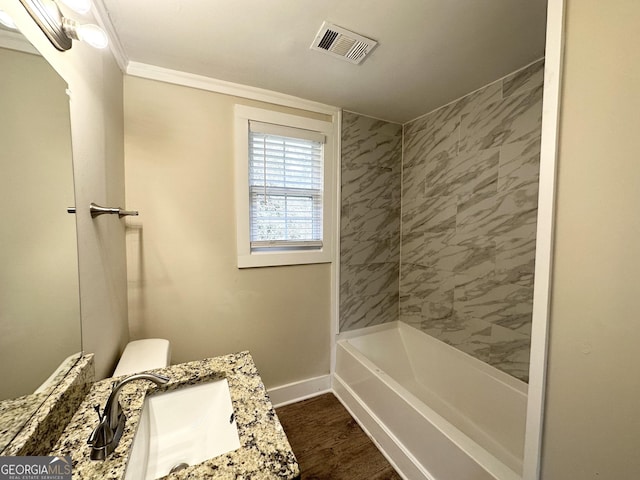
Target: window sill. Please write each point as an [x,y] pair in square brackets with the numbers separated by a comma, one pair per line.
[276,259]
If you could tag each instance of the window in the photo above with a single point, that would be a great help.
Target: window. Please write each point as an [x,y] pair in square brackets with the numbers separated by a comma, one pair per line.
[285,187]
[284,183]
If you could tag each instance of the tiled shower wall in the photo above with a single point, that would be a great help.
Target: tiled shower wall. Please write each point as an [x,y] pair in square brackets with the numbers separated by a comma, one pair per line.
[469,205]
[469,184]
[370,221]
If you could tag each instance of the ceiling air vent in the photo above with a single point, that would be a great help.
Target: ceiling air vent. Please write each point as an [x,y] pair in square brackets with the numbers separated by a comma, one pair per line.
[341,43]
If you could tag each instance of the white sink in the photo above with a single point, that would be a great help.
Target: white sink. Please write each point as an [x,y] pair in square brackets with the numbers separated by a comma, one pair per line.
[189,425]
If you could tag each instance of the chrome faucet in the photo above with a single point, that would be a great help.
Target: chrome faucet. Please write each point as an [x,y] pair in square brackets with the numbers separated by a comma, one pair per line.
[106,436]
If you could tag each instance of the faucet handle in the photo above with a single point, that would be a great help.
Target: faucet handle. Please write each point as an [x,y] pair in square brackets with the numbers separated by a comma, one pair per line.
[96,407]
[92,438]
[101,435]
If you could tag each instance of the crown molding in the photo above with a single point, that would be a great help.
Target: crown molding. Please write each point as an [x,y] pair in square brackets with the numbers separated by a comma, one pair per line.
[202,82]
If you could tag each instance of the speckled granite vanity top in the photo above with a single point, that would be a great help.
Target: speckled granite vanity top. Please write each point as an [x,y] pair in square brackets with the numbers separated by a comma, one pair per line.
[265,452]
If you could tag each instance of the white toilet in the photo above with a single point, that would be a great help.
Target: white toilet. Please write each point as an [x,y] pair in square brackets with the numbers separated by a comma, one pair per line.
[142,355]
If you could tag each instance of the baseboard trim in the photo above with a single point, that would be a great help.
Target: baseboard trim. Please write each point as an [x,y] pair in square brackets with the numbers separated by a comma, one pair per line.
[297,391]
[402,461]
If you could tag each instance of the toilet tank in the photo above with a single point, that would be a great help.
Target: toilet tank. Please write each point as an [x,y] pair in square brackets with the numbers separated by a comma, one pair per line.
[142,355]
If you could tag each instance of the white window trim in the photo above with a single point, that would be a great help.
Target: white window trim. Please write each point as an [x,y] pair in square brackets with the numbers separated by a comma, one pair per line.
[247,258]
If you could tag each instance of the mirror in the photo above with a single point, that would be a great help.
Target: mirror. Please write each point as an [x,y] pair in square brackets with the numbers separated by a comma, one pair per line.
[39,293]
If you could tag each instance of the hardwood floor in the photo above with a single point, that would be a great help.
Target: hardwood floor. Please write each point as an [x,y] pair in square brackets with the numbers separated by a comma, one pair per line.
[329,444]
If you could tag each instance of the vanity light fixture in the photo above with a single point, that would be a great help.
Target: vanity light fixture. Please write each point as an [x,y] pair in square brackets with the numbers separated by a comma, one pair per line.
[78,6]
[88,33]
[61,30]
[7,21]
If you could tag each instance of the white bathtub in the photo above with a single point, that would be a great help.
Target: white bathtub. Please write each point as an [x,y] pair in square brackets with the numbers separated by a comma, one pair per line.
[436,412]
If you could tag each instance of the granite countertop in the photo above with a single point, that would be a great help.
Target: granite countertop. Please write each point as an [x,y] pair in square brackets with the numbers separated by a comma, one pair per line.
[14,414]
[41,431]
[264,453]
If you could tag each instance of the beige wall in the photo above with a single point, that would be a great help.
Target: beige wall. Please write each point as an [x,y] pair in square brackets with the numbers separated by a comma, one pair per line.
[592,426]
[183,280]
[95,83]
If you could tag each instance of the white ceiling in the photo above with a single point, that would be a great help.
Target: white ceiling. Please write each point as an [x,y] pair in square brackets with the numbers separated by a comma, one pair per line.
[429,53]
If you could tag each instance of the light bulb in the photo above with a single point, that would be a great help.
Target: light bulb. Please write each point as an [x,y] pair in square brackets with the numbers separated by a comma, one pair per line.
[7,21]
[79,6]
[93,35]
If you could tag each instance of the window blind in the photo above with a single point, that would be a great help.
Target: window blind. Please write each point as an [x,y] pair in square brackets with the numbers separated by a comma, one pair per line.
[285,187]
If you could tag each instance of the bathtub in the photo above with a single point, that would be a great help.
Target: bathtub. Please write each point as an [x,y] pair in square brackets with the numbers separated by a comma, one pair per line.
[435,412]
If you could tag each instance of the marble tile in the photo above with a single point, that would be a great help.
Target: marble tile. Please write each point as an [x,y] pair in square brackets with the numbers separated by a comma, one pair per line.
[437,250]
[441,134]
[519,164]
[356,126]
[414,279]
[376,151]
[436,170]
[509,213]
[512,356]
[487,342]
[379,215]
[423,152]
[476,346]
[365,311]
[451,325]
[370,221]
[515,259]
[450,114]
[344,287]
[520,323]
[413,181]
[475,257]
[517,212]
[395,160]
[469,335]
[469,208]
[359,248]
[410,310]
[344,214]
[523,80]
[481,100]
[367,182]
[433,214]
[395,243]
[472,173]
[413,251]
[426,289]
[455,109]
[416,125]
[516,118]
[370,279]
[490,299]
[476,215]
